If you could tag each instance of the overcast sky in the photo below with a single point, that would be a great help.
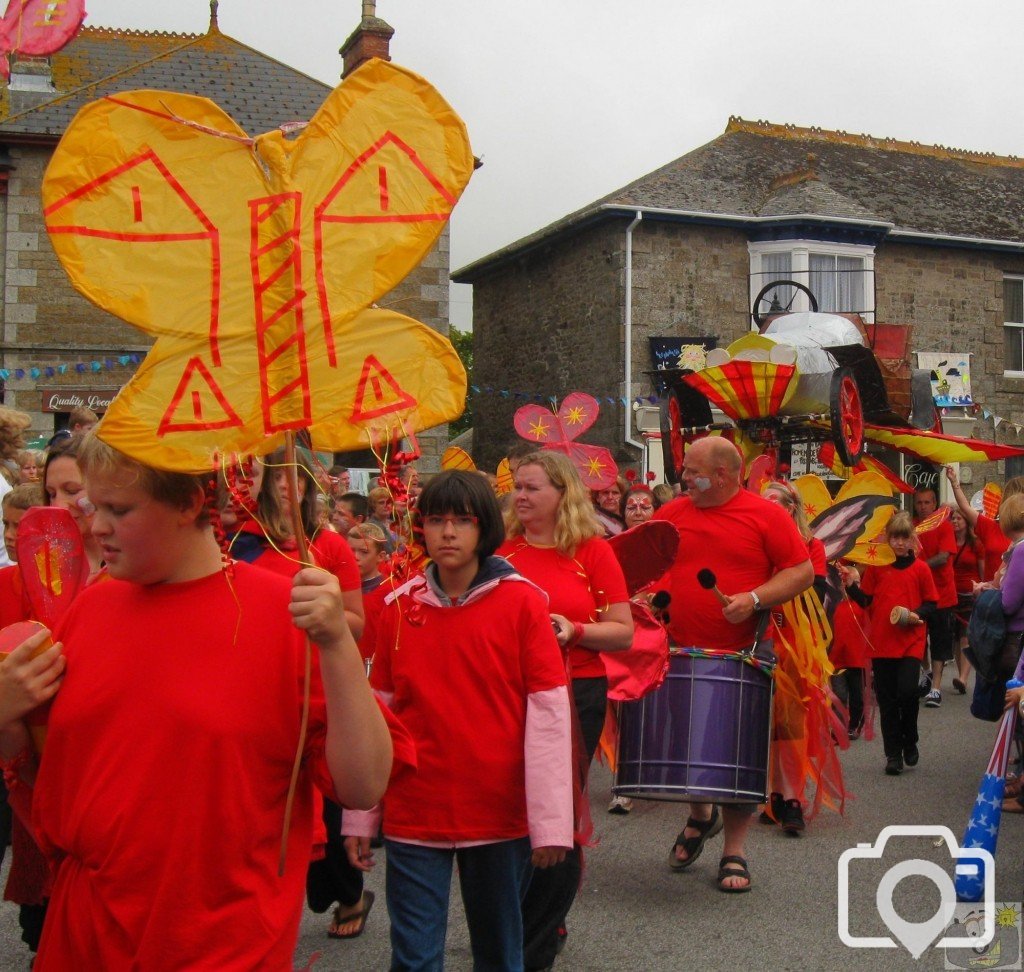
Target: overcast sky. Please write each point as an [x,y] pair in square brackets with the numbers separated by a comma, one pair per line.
[566,100]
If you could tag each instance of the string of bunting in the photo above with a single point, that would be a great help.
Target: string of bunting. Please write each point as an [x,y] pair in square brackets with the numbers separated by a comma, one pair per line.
[79,367]
[553,400]
[978,409]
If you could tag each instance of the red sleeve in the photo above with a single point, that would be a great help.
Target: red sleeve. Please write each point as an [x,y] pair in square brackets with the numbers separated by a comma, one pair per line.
[816,550]
[782,541]
[373,607]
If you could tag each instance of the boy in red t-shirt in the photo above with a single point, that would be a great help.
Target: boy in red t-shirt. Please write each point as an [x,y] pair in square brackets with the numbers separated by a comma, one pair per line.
[899,598]
[171,743]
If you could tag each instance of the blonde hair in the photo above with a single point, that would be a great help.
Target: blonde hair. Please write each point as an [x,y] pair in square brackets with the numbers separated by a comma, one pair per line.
[25,496]
[901,524]
[575,521]
[793,505]
[1011,514]
[369,532]
[95,457]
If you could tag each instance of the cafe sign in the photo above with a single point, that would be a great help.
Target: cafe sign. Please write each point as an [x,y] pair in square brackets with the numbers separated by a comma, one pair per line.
[65,399]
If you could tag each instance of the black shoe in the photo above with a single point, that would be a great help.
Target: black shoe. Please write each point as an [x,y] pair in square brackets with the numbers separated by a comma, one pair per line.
[924,684]
[793,818]
[778,810]
[894,766]
[911,755]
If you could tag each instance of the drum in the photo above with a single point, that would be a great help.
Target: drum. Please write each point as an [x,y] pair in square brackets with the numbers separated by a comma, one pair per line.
[703,735]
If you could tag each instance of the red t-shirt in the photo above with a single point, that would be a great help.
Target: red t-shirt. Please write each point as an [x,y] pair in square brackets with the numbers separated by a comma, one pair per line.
[373,607]
[996,543]
[816,553]
[890,587]
[941,540]
[577,587]
[743,542]
[161,793]
[967,566]
[328,549]
[460,677]
[849,636]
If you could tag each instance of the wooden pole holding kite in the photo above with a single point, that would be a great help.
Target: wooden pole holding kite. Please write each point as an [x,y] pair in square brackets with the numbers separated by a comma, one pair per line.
[298,529]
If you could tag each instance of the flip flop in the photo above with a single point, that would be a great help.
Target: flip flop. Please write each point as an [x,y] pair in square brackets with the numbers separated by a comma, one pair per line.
[360,916]
[738,869]
[695,845]
[961,688]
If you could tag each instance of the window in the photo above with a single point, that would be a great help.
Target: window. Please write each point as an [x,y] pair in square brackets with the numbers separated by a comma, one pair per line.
[840,275]
[1013,325]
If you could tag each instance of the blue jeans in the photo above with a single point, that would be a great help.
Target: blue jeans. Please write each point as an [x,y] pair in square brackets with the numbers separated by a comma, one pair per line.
[492,878]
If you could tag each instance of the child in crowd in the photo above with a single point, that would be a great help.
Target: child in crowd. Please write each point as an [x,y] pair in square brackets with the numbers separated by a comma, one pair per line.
[899,597]
[169,755]
[467,659]
[367,542]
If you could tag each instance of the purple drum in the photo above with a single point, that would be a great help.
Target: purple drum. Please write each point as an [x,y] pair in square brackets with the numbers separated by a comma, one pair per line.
[702,735]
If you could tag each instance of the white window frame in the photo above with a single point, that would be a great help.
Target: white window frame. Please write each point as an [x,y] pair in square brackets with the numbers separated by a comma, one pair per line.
[1019,325]
[800,260]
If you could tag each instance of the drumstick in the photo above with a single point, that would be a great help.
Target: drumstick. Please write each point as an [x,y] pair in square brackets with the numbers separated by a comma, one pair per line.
[706,578]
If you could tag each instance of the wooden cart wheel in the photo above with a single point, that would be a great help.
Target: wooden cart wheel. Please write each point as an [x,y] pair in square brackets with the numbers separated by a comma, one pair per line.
[847,417]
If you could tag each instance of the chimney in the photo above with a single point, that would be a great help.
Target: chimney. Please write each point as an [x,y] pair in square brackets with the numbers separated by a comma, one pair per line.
[370,39]
[30,83]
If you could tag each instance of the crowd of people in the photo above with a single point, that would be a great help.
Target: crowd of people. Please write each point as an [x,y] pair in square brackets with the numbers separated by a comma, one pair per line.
[452,703]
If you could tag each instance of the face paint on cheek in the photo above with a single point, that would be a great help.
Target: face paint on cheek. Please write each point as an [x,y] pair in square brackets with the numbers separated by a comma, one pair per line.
[702,483]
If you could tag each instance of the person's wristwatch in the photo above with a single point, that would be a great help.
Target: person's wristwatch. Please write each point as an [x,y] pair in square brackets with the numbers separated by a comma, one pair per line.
[756,600]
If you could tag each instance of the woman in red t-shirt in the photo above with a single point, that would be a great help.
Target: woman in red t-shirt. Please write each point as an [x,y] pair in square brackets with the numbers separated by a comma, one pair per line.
[968,570]
[555,541]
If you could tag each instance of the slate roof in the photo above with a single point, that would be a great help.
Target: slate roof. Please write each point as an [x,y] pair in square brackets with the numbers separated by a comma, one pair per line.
[257,91]
[757,173]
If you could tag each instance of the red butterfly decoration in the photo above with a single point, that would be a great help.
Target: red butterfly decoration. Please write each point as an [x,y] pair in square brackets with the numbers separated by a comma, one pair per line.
[559,431]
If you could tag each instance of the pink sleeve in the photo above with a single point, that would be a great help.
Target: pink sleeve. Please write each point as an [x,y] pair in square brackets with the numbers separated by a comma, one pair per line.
[361,823]
[548,752]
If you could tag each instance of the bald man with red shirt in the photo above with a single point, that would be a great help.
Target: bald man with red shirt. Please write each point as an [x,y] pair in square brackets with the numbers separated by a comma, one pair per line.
[760,561]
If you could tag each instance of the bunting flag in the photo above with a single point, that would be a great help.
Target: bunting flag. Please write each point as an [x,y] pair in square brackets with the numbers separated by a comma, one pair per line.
[938,448]
[746,389]
[559,430]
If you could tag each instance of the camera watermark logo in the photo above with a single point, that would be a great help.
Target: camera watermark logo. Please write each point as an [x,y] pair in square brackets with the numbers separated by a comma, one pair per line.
[916,937]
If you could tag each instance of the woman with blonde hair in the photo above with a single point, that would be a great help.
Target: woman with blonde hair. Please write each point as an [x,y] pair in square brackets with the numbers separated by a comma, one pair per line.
[555,541]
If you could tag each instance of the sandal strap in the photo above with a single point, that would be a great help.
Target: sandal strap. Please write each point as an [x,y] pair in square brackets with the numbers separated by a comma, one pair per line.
[703,826]
[734,859]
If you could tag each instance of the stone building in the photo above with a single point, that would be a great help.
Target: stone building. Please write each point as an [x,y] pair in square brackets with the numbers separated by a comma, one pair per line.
[57,349]
[903,233]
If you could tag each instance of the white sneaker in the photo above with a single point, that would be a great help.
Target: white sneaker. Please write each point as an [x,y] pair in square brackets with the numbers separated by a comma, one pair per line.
[620,805]
[933,699]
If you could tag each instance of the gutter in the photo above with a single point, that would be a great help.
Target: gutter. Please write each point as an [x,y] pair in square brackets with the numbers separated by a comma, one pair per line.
[628,366]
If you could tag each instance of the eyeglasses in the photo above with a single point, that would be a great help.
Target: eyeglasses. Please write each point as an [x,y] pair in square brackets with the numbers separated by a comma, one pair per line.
[462,522]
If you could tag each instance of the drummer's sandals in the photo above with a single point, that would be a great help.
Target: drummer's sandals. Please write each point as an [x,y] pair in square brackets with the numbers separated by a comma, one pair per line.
[733,867]
[730,867]
[693,846]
